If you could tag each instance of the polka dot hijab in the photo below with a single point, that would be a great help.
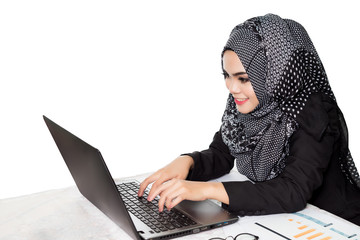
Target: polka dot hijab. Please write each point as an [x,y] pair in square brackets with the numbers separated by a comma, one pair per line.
[284,70]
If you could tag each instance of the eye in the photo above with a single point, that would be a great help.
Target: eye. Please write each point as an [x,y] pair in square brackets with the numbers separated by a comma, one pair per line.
[243,79]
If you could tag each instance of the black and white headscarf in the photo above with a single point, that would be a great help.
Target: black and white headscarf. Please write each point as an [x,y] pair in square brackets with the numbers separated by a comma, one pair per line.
[284,69]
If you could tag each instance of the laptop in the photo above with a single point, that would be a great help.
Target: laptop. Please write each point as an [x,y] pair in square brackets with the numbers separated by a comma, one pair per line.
[139,218]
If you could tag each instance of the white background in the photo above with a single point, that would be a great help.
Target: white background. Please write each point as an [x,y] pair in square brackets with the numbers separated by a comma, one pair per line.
[140,80]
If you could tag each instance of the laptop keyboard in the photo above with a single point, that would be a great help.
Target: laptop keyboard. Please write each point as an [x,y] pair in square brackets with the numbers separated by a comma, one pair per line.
[148,212]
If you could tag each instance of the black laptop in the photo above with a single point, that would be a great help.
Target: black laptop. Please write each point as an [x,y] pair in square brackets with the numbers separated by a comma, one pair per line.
[135,215]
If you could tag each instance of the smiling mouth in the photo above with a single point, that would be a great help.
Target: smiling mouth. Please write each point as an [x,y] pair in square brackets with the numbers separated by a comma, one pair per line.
[240,101]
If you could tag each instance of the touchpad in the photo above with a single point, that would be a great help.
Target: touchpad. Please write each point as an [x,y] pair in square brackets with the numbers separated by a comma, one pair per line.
[204,211]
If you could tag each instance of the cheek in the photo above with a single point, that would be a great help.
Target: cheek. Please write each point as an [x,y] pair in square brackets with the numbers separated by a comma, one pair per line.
[252,94]
[248,90]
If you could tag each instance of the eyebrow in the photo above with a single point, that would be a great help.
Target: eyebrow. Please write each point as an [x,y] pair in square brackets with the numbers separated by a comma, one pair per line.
[236,74]
[239,73]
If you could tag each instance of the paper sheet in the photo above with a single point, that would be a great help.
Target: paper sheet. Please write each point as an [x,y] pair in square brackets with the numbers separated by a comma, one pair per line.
[310,223]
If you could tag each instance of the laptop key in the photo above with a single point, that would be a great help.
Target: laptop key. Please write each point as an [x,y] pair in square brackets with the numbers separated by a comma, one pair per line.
[148,212]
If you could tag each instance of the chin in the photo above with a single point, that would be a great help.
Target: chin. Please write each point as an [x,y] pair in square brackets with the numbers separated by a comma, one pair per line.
[243,111]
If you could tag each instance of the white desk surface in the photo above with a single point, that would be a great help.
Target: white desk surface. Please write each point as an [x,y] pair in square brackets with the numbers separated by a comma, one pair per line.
[66,214]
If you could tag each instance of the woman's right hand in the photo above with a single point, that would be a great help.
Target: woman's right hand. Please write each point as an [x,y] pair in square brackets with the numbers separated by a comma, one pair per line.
[178,169]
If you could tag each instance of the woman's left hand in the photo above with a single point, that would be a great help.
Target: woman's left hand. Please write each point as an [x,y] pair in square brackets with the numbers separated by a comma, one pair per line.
[174,191]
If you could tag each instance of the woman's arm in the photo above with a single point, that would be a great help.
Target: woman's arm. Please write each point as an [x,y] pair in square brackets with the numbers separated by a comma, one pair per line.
[176,190]
[169,183]
[290,191]
[213,162]
[177,169]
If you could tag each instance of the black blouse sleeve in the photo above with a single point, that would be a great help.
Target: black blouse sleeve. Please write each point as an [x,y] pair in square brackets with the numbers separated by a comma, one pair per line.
[211,163]
[311,148]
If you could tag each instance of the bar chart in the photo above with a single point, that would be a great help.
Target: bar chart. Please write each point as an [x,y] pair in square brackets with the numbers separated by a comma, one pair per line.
[303,226]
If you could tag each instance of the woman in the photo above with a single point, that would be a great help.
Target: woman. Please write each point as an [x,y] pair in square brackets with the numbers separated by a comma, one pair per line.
[281,124]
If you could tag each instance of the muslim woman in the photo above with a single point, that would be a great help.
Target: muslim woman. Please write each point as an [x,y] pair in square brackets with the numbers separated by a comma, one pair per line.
[281,127]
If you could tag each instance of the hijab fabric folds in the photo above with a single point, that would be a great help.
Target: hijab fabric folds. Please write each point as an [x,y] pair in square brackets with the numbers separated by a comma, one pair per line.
[284,69]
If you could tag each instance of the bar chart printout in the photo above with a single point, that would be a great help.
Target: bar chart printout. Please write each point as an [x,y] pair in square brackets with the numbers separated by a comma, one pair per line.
[302,225]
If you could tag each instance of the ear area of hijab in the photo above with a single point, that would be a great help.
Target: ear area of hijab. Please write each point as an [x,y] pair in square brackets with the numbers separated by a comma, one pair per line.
[292,79]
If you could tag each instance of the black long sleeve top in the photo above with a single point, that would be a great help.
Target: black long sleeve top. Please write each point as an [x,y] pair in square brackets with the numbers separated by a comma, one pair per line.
[312,173]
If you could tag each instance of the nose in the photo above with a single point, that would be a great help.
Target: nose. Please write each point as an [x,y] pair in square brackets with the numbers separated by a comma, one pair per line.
[233,85]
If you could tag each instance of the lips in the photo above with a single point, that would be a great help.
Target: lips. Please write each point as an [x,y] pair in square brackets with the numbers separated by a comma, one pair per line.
[240,101]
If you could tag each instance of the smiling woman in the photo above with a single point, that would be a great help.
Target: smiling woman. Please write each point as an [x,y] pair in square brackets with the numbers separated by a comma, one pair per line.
[282,126]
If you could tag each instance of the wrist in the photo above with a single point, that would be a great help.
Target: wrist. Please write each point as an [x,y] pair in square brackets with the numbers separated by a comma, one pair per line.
[189,161]
[216,190]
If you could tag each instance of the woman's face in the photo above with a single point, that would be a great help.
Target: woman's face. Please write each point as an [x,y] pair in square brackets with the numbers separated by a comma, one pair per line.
[238,83]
